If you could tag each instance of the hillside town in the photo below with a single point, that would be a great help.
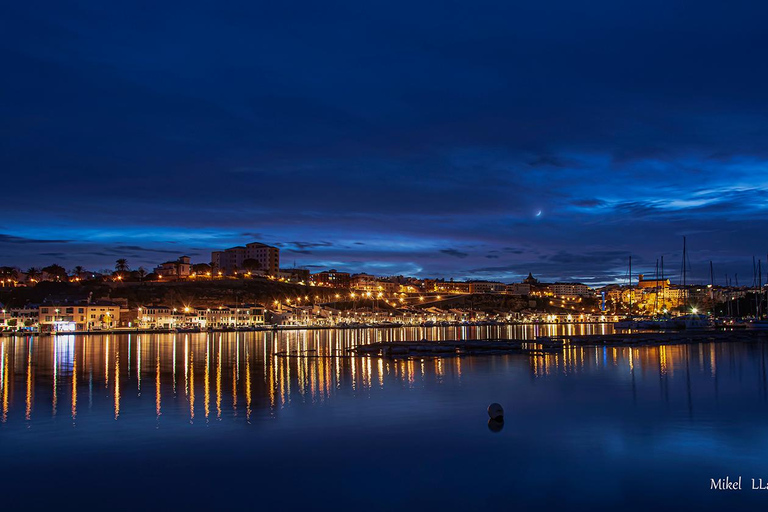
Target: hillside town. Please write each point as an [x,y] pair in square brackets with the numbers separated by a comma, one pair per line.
[245,287]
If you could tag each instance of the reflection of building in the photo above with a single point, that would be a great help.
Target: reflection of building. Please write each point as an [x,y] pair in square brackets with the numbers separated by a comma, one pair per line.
[265,258]
[79,317]
[178,269]
[332,278]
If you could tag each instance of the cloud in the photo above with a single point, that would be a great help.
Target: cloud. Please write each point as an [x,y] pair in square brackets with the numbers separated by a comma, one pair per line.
[119,248]
[305,245]
[588,203]
[10,239]
[455,253]
[387,160]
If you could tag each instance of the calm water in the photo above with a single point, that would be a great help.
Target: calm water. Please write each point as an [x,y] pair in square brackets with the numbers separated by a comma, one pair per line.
[290,420]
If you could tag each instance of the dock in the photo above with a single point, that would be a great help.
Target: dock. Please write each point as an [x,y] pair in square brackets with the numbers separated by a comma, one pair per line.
[451,348]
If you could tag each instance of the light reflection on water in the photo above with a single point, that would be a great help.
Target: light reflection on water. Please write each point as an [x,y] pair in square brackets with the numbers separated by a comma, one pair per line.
[617,414]
[265,367]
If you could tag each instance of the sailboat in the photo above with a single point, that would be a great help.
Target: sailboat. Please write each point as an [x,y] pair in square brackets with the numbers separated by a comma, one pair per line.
[629,322]
[692,320]
[759,323]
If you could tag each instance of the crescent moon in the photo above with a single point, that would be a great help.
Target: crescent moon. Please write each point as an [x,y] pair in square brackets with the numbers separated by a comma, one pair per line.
[538,214]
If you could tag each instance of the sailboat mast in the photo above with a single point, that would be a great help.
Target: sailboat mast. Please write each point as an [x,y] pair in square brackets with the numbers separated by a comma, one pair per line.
[685,290]
[759,287]
[630,285]
[656,295]
[712,286]
[663,291]
[754,282]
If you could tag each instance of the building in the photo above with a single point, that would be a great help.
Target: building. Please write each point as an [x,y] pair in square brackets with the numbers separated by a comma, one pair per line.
[179,269]
[487,287]
[243,315]
[369,283]
[518,289]
[569,290]
[26,316]
[642,282]
[530,279]
[159,317]
[265,258]
[453,287]
[78,317]
[332,278]
[229,316]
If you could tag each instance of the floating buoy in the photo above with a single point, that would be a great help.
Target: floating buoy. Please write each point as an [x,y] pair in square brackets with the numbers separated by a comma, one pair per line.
[495,425]
[496,411]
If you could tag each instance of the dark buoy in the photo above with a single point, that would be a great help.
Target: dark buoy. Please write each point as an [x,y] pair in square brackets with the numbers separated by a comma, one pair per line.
[495,425]
[496,412]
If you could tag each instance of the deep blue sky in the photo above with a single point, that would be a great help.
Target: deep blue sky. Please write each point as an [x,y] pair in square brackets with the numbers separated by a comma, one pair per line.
[420,138]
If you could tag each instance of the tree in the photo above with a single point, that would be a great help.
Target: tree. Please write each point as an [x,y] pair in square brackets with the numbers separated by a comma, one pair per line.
[201,268]
[33,274]
[57,272]
[9,274]
[121,265]
[77,272]
[251,264]
[142,272]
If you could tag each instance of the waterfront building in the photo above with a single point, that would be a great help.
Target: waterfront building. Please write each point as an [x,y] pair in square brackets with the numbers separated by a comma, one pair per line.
[225,316]
[69,317]
[27,316]
[229,316]
[159,317]
[292,315]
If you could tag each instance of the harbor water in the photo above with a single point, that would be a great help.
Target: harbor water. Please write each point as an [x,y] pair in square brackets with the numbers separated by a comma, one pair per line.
[294,420]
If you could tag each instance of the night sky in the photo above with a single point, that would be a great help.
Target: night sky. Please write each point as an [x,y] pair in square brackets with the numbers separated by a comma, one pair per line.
[474,139]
